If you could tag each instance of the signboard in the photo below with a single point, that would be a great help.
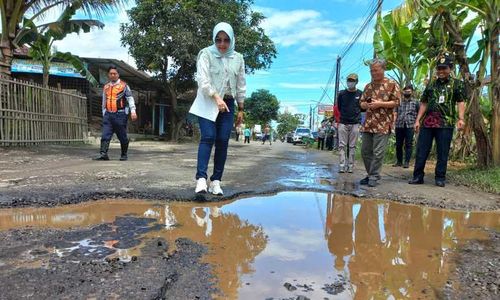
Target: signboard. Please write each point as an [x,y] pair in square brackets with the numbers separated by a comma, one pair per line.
[33,66]
[324,109]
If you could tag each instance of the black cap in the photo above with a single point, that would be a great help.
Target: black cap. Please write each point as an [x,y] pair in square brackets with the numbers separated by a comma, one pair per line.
[409,86]
[445,60]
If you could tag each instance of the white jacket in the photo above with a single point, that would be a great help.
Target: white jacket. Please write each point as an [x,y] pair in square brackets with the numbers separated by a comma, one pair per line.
[212,76]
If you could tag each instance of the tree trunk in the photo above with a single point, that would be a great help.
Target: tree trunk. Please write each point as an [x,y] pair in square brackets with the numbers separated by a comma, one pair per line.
[495,95]
[172,112]
[6,57]
[475,117]
[46,67]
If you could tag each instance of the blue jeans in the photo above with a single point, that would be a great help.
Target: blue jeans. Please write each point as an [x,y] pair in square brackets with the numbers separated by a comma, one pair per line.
[443,138]
[217,133]
[115,123]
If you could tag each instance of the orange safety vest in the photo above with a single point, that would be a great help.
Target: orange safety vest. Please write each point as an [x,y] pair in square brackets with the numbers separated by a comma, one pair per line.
[115,96]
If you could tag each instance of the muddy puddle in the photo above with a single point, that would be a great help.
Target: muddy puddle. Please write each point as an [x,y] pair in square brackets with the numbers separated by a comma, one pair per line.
[295,243]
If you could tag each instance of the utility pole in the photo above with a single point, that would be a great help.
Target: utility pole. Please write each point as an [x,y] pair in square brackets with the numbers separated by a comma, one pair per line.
[337,80]
[310,116]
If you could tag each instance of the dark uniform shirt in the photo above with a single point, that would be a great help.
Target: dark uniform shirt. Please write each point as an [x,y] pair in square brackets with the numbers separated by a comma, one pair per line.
[441,97]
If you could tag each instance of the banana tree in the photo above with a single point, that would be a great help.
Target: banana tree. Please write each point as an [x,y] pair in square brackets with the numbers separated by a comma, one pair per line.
[41,38]
[13,12]
[403,48]
[454,30]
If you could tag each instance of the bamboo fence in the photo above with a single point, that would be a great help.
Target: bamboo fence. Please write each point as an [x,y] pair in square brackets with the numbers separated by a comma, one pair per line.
[31,114]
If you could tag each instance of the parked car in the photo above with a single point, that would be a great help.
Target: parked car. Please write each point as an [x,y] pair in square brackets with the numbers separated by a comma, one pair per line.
[299,134]
[315,135]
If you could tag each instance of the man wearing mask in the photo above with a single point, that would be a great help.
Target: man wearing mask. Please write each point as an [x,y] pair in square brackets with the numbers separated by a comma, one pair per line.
[438,110]
[406,116]
[348,106]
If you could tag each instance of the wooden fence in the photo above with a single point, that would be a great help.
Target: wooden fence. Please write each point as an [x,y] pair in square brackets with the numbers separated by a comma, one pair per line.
[31,114]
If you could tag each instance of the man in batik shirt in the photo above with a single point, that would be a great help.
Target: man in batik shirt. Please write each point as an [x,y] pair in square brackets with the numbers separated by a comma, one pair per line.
[380,98]
[438,107]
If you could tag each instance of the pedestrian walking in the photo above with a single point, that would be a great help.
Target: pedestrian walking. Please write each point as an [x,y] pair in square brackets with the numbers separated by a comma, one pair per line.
[321,135]
[117,103]
[247,133]
[405,120]
[238,132]
[350,114]
[267,135]
[438,112]
[329,134]
[221,80]
[380,97]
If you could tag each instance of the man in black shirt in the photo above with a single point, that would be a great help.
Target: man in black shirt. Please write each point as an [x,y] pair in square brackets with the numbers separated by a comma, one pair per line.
[350,113]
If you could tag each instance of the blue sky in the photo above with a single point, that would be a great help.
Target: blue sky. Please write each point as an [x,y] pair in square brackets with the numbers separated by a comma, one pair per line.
[309,34]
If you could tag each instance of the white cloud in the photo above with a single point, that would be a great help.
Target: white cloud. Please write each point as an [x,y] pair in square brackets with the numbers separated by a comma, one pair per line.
[303,86]
[292,245]
[98,43]
[306,28]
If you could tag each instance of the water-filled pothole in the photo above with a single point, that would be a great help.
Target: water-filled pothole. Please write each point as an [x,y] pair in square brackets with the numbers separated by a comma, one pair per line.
[289,244]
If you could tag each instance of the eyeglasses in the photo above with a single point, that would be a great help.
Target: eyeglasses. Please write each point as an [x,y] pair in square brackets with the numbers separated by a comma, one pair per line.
[220,41]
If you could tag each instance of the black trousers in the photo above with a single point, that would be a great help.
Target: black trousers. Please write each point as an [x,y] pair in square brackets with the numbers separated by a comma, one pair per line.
[404,136]
[443,137]
[321,143]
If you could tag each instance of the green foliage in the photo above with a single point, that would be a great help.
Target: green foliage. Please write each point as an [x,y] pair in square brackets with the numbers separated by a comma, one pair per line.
[480,179]
[13,19]
[287,123]
[165,36]
[40,38]
[261,108]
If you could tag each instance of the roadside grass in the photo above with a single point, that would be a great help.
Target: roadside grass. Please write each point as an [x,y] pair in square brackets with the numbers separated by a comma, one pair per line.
[487,180]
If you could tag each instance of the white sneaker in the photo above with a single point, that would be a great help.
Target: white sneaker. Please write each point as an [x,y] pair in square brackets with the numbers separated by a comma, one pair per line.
[201,186]
[214,188]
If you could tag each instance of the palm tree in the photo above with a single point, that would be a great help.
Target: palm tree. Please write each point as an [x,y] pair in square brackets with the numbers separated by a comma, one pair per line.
[40,39]
[14,16]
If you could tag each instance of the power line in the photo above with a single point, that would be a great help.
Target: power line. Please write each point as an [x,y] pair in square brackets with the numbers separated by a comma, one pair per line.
[372,10]
[360,30]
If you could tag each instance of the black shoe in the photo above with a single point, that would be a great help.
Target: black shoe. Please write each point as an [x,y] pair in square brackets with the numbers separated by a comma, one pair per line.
[416,181]
[364,181]
[124,148]
[406,165]
[373,183]
[440,183]
[103,153]
[102,157]
[398,164]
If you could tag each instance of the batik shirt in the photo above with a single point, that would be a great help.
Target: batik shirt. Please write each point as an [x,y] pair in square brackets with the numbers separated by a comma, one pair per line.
[379,120]
[441,97]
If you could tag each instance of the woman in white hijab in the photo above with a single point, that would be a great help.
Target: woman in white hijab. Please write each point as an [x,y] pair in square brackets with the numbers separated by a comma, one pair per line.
[221,80]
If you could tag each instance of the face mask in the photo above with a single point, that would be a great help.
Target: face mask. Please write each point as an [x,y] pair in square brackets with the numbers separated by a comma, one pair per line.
[351,85]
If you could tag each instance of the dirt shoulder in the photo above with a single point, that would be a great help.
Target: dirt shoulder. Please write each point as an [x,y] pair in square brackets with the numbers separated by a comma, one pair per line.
[56,175]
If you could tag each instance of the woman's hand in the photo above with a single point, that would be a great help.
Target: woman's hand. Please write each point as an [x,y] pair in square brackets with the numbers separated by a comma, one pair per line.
[221,104]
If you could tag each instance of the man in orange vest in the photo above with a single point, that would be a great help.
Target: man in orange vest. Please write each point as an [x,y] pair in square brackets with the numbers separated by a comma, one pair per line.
[117,102]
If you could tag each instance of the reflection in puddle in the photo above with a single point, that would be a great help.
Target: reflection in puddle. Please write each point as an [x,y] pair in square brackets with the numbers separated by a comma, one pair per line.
[311,244]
